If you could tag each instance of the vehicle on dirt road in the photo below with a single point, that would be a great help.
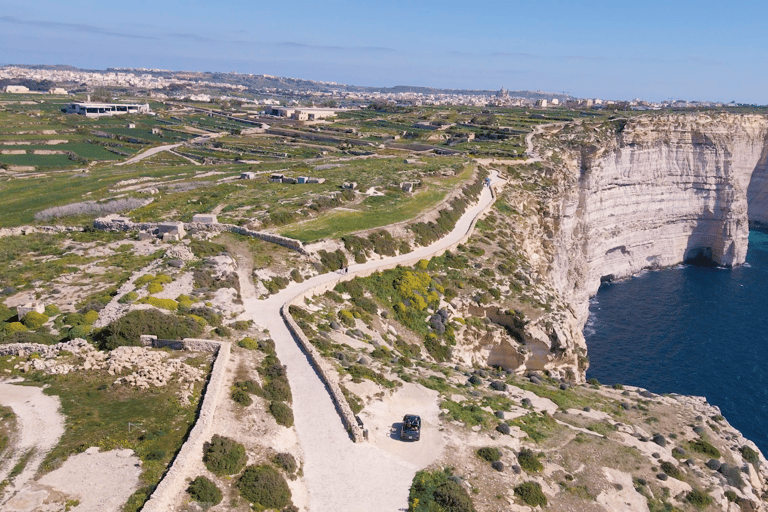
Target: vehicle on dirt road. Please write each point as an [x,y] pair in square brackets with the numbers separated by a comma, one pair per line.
[411,430]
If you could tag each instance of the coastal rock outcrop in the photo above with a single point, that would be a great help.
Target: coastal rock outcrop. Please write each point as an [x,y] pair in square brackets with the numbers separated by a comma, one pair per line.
[654,191]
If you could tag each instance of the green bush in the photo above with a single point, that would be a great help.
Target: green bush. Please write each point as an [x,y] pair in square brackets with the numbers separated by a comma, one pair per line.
[704,447]
[128,298]
[154,287]
[241,325]
[529,462]
[90,317]
[13,327]
[286,462]
[531,494]
[264,486]
[241,397]
[223,332]
[185,301]
[52,310]
[332,260]
[489,453]
[698,498]
[438,491]
[204,491]
[224,456]
[78,331]
[249,386]
[210,316]
[282,413]
[278,389]
[169,304]
[128,329]
[671,470]
[248,343]
[749,455]
[346,318]
[34,320]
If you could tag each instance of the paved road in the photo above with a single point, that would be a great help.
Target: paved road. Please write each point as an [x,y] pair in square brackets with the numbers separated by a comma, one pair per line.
[341,475]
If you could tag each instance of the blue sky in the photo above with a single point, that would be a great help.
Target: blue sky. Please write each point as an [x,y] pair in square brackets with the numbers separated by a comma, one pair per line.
[615,50]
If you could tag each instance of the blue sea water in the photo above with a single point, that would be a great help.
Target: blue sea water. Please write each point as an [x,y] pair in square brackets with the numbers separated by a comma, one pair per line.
[690,330]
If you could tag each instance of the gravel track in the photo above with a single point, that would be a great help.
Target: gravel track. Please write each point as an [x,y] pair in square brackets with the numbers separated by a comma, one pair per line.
[341,475]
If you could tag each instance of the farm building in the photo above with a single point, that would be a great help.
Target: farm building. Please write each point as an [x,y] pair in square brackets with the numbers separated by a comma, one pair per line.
[105,109]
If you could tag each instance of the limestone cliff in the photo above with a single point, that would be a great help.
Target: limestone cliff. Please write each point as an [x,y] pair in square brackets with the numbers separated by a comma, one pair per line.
[653,191]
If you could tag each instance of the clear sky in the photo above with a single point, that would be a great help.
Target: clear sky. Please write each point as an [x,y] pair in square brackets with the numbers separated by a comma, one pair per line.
[695,50]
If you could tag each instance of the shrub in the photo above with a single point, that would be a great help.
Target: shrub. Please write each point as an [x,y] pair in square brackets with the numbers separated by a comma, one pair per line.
[672,470]
[489,453]
[749,454]
[185,301]
[128,298]
[333,260]
[248,343]
[704,447]
[249,386]
[732,496]
[732,475]
[154,287]
[210,316]
[78,331]
[528,461]
[34,320]
[282,413]
[204,491]
[296,276]
[438,491]
[531,494]
[169,304]
[128,329]
[346,318]
[13,327]
[52,310]
[698,498]
[241,325]
[222,331]
[286,462]
[265,486]
[224,456]
[241,397]
[278,389]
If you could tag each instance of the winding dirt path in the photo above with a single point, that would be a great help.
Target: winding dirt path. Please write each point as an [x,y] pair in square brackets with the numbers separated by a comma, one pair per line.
[40,427]
[341,475]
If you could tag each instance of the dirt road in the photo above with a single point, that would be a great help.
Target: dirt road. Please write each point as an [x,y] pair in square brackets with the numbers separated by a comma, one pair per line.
[341,475]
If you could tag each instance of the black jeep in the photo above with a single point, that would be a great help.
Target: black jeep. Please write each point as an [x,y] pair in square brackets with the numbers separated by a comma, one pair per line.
[411,430]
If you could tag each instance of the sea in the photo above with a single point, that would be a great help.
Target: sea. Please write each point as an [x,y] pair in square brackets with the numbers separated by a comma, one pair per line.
[690,330]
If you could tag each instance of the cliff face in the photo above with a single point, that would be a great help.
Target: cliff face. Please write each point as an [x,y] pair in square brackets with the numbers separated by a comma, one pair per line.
[655,191]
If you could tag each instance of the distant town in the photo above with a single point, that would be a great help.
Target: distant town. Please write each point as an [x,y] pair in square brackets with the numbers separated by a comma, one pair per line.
[271,90]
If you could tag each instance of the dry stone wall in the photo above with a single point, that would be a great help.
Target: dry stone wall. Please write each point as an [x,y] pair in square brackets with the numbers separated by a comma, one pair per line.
[113,224]
[175,480]
[327,375]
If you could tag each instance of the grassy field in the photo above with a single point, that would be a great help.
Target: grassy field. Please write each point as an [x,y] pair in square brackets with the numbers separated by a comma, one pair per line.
[380,211]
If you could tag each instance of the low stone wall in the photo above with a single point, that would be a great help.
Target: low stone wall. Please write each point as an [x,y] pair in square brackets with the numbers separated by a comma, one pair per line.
[193,344]
[107,224]
[327,375]
[25,349]
[175,480]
